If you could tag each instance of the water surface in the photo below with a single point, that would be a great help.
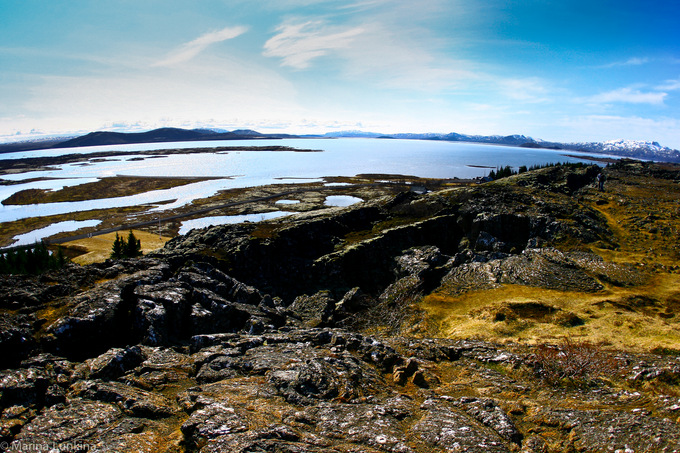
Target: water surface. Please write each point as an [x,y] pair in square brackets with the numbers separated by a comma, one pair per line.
[238,169]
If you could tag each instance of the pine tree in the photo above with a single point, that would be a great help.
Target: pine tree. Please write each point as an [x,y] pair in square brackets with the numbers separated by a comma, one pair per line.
[61,258]
[133,247]
[32,260]
[119,246]
[4,264]
[126,248]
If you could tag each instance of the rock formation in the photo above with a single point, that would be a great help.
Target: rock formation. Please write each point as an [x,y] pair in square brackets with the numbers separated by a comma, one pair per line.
[297,335]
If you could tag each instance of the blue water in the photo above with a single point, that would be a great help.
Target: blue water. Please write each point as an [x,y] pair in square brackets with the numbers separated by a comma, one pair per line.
[237,169]
[37,235]
[341,200]
[203,222]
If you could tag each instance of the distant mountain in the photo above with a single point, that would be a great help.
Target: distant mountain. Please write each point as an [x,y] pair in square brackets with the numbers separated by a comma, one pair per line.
[630,148]
[514,140]
[167,134]
[350,134]
[627,148]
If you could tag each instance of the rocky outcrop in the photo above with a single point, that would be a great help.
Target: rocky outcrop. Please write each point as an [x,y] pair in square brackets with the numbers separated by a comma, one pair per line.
[337,250]
[242,338]
[319,390]
[545,268]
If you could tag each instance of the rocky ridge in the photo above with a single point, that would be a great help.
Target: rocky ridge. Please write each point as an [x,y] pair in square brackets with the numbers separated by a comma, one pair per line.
[301,335]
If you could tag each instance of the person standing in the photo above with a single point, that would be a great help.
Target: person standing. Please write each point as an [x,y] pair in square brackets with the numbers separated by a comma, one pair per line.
[601,178]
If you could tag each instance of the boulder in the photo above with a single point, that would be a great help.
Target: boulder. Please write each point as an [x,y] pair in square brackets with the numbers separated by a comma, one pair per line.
[16,337]
[324,378]
[316,310]
[112,364]
[444,428]
[132,401]
[81,425]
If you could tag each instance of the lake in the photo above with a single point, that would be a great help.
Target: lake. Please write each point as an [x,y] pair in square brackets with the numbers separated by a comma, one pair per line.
[237,169]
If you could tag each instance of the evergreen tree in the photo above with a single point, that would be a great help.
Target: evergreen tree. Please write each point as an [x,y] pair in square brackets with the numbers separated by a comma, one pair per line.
[118,248]
[126,248]
[61,258]
[133,247]
[31,260]
[4,265]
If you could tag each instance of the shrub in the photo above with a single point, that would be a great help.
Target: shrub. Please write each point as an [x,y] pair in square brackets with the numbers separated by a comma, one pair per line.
[574,363]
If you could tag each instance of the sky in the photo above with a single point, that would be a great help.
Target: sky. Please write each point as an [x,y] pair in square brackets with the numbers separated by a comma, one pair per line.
[570,71]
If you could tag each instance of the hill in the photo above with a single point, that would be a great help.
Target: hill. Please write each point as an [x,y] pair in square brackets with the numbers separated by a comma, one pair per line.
[626,148]
[154,136]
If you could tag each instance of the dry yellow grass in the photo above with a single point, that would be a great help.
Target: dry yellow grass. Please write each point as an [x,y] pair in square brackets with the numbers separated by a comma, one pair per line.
[98,248]
[643,215]
[607,316]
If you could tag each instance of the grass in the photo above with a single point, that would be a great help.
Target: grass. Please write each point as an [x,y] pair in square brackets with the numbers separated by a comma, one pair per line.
[98,248]
[9,230]
[118,186]
[644,216]
[475,314]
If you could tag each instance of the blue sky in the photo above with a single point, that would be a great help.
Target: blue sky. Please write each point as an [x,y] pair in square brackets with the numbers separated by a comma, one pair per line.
[557,70]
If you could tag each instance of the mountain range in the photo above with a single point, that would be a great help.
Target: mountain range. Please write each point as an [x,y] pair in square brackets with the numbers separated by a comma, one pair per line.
[627,148]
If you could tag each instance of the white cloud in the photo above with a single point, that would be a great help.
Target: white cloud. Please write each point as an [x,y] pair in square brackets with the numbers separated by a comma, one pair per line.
[189,50]
[531,90]
[670,85]
[401,57]
[634,61]
[628,95]
[298,44]
[217,88]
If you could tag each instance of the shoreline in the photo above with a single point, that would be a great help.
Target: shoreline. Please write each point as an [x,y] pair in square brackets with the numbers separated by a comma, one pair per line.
[249,200]
[26,164]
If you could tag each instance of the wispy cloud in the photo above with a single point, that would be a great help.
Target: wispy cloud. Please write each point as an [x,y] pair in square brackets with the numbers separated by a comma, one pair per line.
[531,90]
[398,58]
[191,49]
[670,85]
[628,95]
[298,44]
[634,61]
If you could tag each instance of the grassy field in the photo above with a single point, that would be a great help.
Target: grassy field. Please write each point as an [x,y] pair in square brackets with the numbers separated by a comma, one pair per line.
[311,198]
[98,248]
[119,186]
[644,216]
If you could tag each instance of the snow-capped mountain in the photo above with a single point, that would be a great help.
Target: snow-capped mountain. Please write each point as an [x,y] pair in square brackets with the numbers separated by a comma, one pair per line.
[631,148]
[626,148]
[645,150]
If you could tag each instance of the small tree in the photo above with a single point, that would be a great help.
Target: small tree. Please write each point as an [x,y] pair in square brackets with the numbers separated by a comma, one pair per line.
[126,248]
[31,260]
[118,249]
[133,247]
